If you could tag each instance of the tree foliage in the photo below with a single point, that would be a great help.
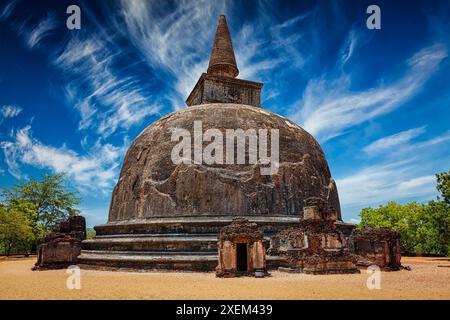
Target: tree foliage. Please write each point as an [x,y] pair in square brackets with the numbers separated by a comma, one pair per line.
[53,201]
[90,233]
[423,228]
[40,205]
[443,185]
[15,230]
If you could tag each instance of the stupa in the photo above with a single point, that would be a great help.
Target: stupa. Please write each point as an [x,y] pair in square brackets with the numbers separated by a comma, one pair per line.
[168,216]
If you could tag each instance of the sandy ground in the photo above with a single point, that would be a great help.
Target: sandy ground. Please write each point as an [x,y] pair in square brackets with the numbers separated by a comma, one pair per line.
[425,281]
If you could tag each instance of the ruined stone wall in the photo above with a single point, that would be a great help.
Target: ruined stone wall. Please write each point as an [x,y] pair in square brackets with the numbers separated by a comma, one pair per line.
[62,247]
[376,246]
[316,246]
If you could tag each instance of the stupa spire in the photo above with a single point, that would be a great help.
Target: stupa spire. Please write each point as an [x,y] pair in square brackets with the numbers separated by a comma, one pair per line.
[219,84]
[222,61]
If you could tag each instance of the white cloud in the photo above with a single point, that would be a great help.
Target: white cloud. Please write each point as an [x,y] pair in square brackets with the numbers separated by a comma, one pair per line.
[400,146]
[180,43]
[417,183]
[107,100]
[42,30]
[10,111]
[349,47]
[97,170]
[407,172]
[392,141]
[7,9]
[379,184]
[328,107]
[173,42]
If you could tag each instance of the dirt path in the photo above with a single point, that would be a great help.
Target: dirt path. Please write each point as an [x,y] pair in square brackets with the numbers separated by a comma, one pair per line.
[425,281]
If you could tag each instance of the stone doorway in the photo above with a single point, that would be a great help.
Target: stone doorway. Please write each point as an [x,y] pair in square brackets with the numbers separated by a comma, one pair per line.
[241,257]
[241,250]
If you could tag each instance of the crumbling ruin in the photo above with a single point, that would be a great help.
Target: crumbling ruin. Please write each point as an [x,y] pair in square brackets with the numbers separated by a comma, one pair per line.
[316,245]
[376,246]
[62,247]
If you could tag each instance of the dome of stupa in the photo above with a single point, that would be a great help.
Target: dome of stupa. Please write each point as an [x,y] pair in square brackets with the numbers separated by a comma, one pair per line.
[151,185]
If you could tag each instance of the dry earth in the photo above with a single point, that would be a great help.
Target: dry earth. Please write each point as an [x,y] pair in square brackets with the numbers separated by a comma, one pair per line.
[428,279]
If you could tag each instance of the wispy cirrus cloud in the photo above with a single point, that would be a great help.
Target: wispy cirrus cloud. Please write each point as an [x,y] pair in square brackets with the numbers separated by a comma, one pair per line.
[380,183]
[7,9]
[407,171]
[105,100]
[180,43]
[394,140]
[349,47]
[10,111]
[328,108]
[42,30]
[95,171]
[161,38]
[401,145]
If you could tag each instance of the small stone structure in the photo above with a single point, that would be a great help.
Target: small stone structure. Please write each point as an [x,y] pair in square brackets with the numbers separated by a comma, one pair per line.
[376,246]
[317,245]
[62,247]
[241,250]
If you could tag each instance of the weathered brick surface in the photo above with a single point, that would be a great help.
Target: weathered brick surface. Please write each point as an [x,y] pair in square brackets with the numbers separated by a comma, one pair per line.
[241,231]
[377,246]
[316,245]
[151,185]
[62,247]
[215,89]
[223,61]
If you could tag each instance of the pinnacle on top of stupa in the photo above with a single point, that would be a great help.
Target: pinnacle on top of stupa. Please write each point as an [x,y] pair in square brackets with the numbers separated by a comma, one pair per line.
[223,61]
[219,84]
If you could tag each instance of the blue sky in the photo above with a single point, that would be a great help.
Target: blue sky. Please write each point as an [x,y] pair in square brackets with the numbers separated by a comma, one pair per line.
[378,101]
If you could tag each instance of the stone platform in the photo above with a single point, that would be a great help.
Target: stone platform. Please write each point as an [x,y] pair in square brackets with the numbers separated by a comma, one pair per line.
[182,243]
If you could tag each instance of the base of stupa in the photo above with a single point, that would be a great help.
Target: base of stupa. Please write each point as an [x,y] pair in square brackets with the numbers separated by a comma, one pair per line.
[178,243]
[181,243]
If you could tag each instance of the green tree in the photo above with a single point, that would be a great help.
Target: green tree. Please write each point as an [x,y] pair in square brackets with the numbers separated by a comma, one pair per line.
[44,203]
[443,185]
[402,218]
[90,233]
[433,232]
[15,230]
[423,228]
[50,195]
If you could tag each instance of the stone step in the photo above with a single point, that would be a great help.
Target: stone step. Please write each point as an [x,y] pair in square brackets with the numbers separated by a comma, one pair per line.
[149,253]
[155,235]
[162,261]
[142,262]
[152,243]
[192,225]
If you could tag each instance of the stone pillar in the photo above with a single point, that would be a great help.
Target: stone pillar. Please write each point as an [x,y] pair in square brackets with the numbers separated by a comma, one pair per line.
[259,256]
[227,256]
